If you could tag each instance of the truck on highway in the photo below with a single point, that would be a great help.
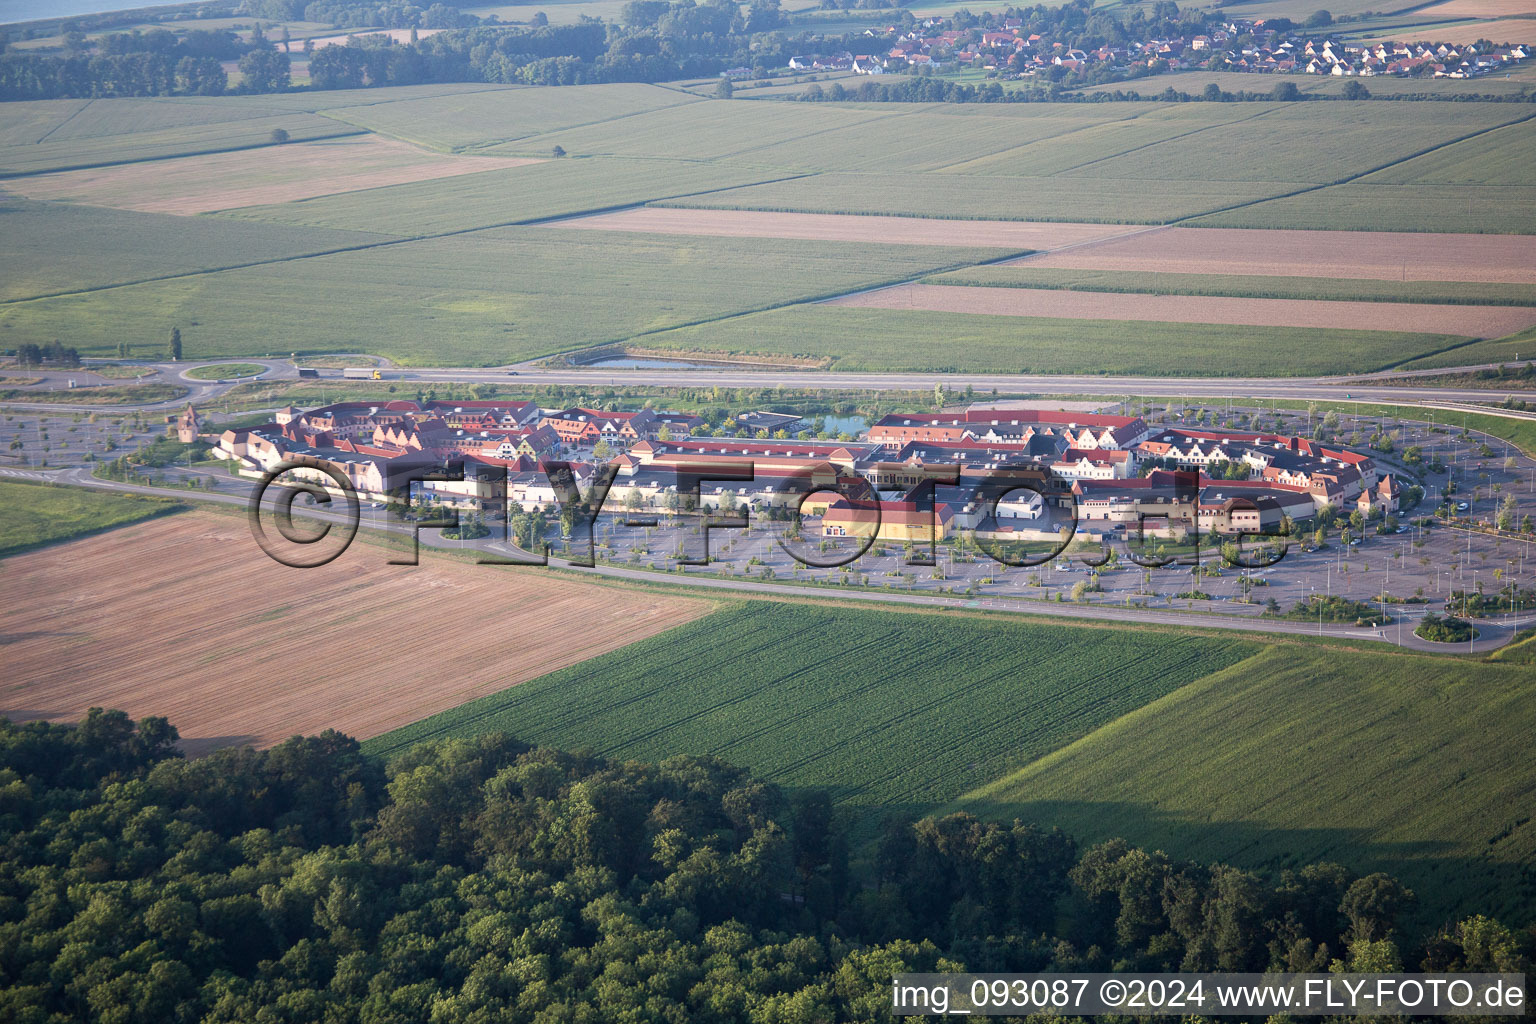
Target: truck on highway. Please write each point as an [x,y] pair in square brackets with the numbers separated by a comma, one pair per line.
[362,373]
[305,371]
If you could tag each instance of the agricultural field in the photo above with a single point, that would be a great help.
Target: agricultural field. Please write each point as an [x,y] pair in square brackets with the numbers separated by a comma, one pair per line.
[560,12]
[693,129]
[1027,275]
[707,210]
[89,247]
[1490,350]
[1503,30]
[1379,255]
[200,626]
[480,120]
[981,197]
[235,132]
[220,181]
[1501,157]
[1490,209]
[1399,317]
[811,696]
[1342,140]
[831,227]
[486,298]
[855,339]
[553,188]
[1409,764]
[37,516]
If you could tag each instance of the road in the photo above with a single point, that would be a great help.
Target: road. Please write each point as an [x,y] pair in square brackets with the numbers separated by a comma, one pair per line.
[1383,387]
[1494,633]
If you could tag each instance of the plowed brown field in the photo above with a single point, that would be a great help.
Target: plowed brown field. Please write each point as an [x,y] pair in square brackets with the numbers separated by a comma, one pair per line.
[1378,255]
[1415,317]
[185,617]
[273,174]
[841,227]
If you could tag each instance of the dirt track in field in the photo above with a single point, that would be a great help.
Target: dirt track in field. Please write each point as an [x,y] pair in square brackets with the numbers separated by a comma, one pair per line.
[185,617]
[1419,318]
[841,227]
[255,177]
[1377,255]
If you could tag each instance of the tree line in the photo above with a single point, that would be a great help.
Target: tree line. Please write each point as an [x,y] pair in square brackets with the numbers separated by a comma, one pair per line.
[486,879]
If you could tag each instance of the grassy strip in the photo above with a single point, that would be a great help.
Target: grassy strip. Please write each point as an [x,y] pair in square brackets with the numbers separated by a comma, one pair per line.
[223,371]
[1461,293]
[1520,651]
[38,515]
[128,394]
[114,371]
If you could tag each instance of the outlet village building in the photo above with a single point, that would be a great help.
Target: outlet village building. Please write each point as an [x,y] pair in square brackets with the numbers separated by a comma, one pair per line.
[1014,473]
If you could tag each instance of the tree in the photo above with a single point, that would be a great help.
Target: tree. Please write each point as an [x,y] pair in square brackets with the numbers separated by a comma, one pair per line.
[724,89]
[1372,905]
[1506,517]
[279,136]
[1354,90]
[1212,93]
[1285,92]
[175,344]
[558,151]
[1318,19]
[264,71]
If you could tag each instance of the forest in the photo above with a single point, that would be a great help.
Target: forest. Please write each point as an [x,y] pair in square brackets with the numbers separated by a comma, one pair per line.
[484,879]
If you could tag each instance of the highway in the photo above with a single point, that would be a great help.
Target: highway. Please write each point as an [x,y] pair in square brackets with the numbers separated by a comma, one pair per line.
[1386,387]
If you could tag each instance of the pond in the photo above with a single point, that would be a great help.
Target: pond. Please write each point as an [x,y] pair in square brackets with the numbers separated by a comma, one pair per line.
[631,363]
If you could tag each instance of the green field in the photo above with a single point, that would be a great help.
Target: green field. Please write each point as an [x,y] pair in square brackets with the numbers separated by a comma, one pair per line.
[489,297]
[1380,207]
[90,276]
[482,119]
[55,248]
[889,710]
[992,198]
[38,515]
[913,340]
[1243,285]
[555,188]
[223,371]
[1410,764]
[184,139]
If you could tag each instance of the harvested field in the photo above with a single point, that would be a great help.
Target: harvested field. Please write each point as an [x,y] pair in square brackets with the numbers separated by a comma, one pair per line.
[225,181]
[185,617]
[1467,321]
[1506,30]
[1376,255]
[836,227]
[1478,9]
